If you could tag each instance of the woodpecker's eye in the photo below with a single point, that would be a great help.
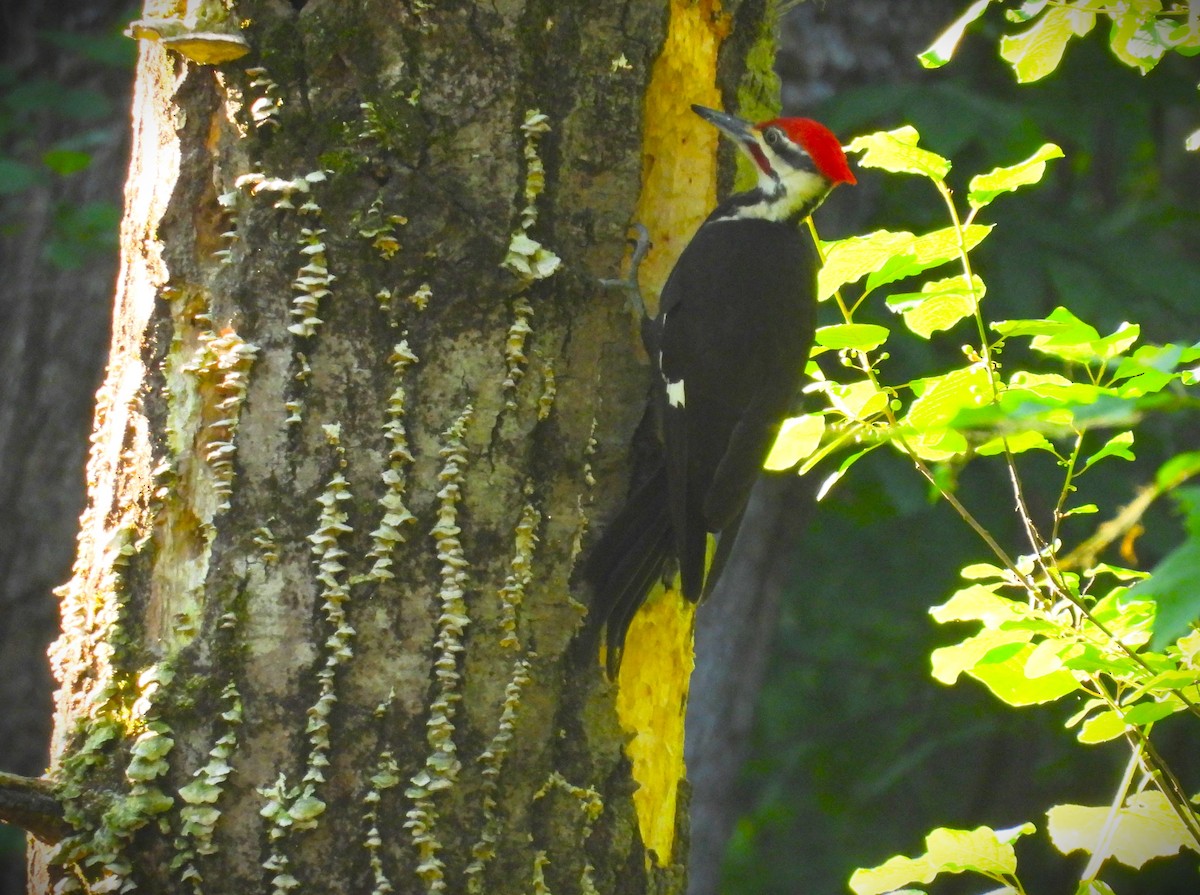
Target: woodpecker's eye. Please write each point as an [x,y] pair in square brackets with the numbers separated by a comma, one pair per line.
[773,136]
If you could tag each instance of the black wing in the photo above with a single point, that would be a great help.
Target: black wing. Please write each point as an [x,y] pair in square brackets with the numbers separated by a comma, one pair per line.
[736,322]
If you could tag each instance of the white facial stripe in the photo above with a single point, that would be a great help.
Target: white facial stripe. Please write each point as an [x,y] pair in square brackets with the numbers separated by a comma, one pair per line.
[675,393]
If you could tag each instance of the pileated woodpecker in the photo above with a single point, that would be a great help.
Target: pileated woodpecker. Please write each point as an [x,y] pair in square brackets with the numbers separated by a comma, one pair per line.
[735,323]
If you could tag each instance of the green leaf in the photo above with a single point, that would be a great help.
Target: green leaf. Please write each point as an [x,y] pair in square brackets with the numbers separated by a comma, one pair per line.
[939,305]
[1150,711]
[929,250]
[1009,682]
[1127,616]
[986,187]
[1016,443]
[979,602]
[1047,657]
[66,161]
[983,571]
[1178,469]
[940,398]
[859,336]
[857,400]
[1146,827]
[1061,334]
[1174,585]
[1138,38]
[897,151]
[1117,446]
[981,850]
[1102,728]
[798,437]
[849,260]
[939,53]
[949,662]
[1037,50]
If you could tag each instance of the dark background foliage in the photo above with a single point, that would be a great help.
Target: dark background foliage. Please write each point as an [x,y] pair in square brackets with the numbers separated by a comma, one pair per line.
[858,752]
[65,78]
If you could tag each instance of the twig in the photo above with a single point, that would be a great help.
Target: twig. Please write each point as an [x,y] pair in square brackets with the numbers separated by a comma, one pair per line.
[30,803]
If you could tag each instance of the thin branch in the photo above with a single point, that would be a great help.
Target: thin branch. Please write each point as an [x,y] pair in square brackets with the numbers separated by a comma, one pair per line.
[30,803]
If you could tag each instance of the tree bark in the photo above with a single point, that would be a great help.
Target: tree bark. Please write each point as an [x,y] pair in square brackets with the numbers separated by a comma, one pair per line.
[364,398]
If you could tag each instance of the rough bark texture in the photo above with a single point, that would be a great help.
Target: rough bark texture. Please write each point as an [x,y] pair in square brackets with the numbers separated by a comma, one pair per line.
[319,620]
[53,338]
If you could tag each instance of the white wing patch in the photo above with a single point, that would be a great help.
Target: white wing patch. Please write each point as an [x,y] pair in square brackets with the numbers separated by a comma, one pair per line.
[675,393]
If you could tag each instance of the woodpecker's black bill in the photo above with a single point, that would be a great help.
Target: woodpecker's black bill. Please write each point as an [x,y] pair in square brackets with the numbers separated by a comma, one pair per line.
[731,125]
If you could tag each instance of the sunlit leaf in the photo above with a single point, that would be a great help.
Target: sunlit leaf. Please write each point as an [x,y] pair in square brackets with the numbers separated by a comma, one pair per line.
[981,850]
[1117,446]
[798,437]
[939,305]
[1138,38]
[1150,711]
[1061,334]
[1126,616]
[1026,11]
[939,53]
[1036,51]
[859,336]
[857,400]
[927,251]
[1146,827]
[1102,728]
[940,398]
[1060,323]
[1016,443]
[849,260]
[986,187]
[979,602]
[897,151]
[983,571]
[937,445]
[948,662]
[1009,682]
[1047,657]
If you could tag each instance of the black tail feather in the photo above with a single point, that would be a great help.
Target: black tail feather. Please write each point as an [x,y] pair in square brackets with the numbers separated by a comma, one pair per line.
[625,564]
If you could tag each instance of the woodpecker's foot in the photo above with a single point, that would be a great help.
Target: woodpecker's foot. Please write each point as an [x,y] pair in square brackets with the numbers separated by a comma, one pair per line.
[641,245]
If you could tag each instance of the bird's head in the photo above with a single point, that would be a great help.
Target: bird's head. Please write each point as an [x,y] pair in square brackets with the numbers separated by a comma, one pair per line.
[798,161]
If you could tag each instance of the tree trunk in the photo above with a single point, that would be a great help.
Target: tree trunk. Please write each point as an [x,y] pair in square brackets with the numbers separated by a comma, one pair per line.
[364,398]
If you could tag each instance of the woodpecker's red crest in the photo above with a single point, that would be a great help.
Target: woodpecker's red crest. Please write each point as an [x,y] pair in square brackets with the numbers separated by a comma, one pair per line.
[799,161]
[818,141]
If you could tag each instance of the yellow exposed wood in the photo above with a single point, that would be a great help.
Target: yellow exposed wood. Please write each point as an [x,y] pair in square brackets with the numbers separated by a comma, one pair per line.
[679,149]
[652,702]
[679,188]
